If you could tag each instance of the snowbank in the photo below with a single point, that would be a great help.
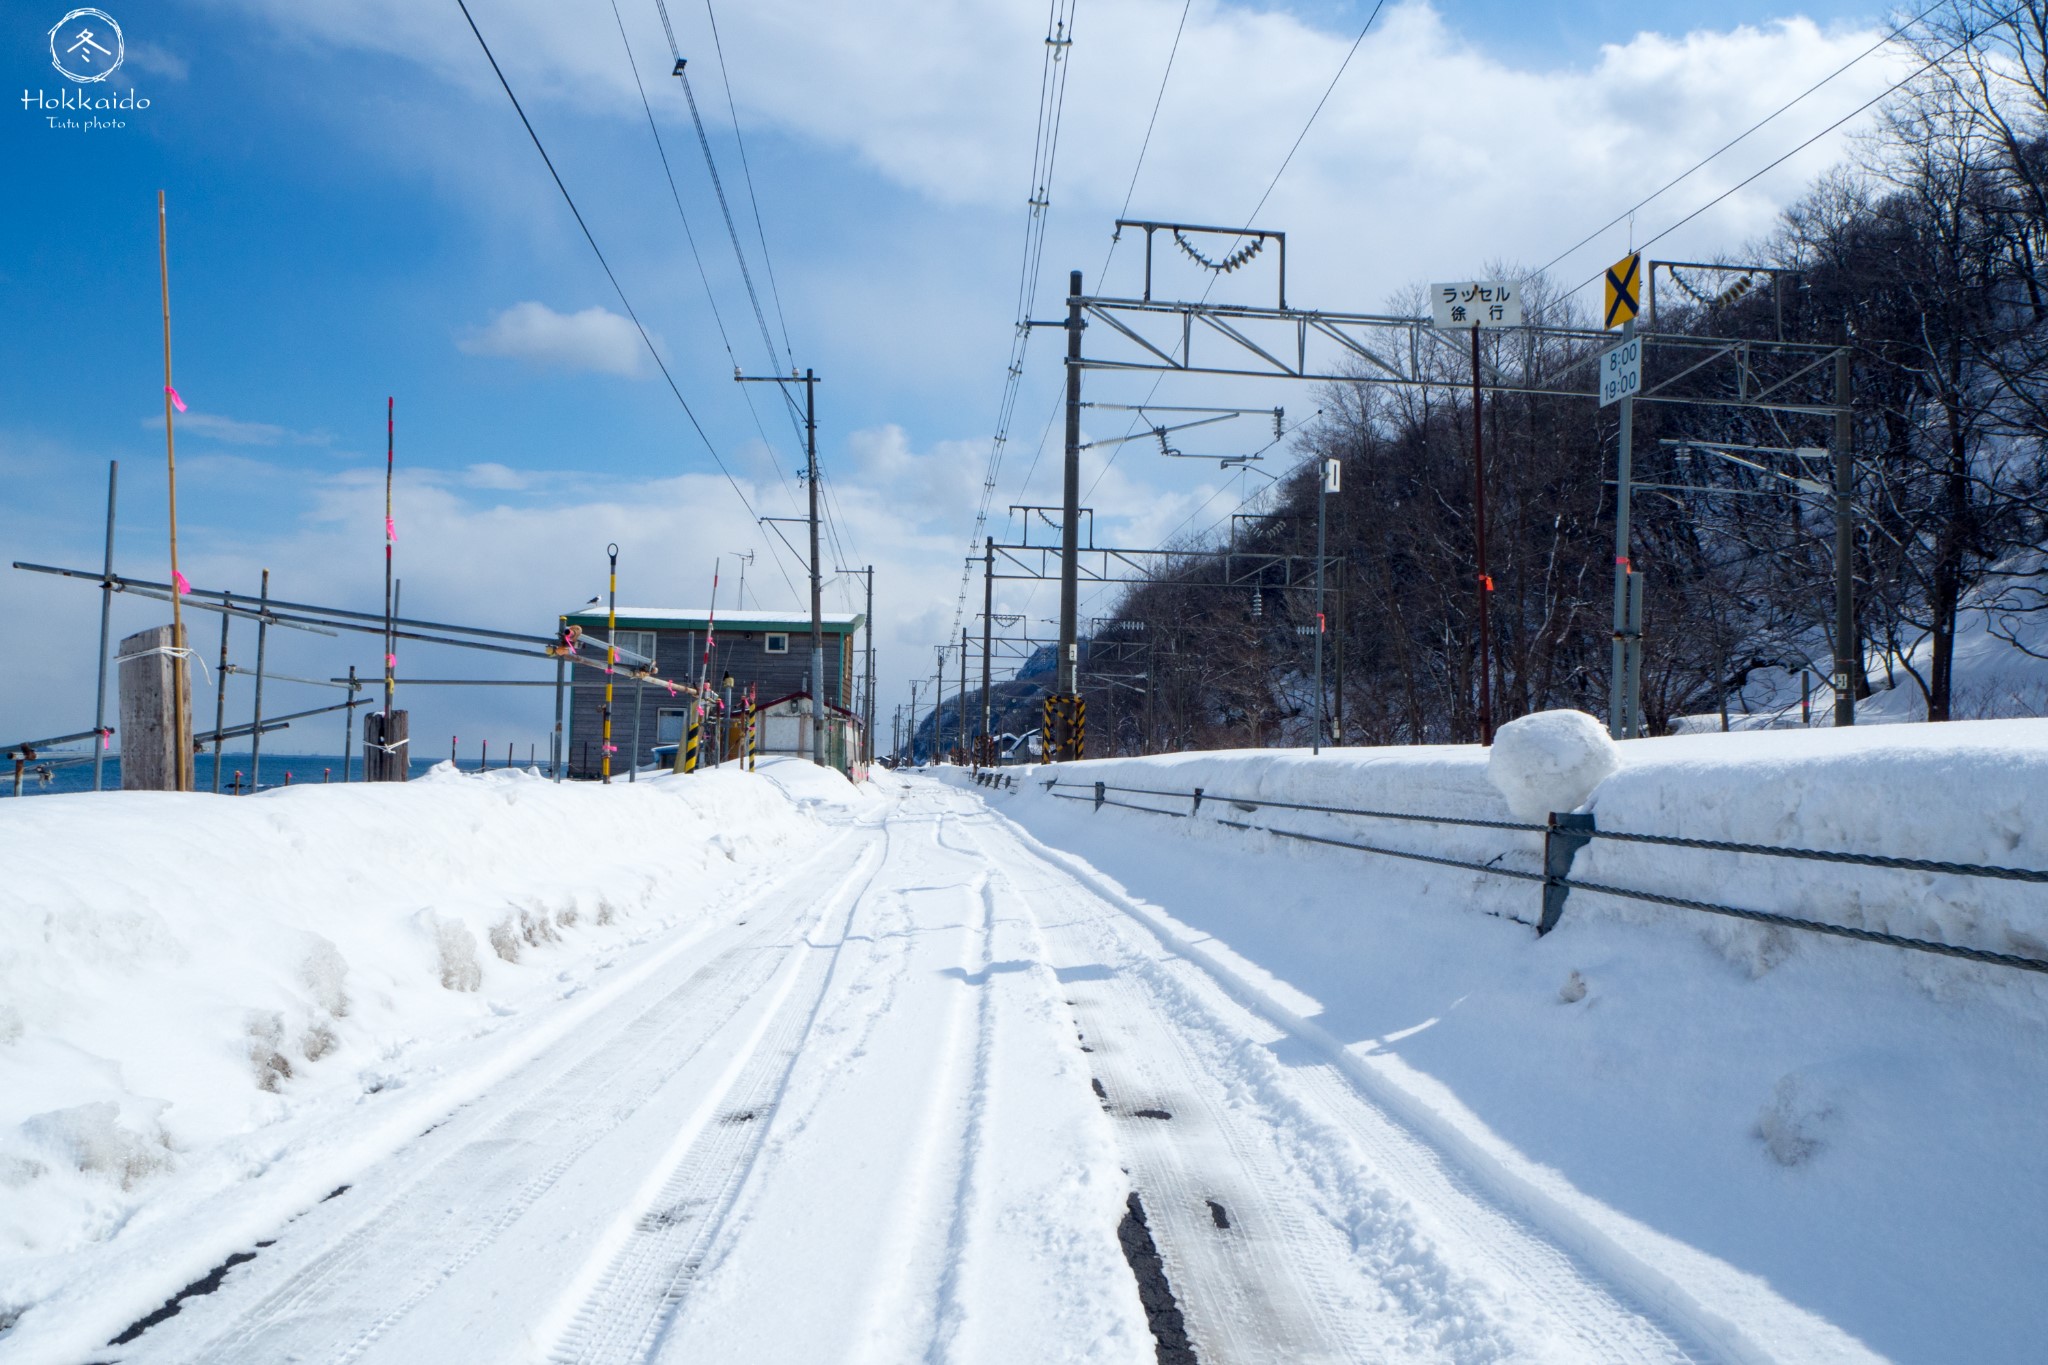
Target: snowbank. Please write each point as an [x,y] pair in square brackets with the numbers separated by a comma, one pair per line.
[1857,1125]
[180,971]
[1963,792]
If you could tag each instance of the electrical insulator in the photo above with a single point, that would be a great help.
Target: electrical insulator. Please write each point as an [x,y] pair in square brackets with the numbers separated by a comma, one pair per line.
[1258,605]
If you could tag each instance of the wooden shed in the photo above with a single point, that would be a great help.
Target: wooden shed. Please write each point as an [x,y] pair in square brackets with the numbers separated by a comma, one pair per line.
[769,651]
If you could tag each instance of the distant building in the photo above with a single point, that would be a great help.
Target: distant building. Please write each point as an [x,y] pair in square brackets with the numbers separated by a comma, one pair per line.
[768,651]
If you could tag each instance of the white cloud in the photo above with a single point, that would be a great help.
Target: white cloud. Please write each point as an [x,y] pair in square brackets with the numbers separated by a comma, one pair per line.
[1430,153]
[490,474]
[158,61]
[236,432]
[595,339]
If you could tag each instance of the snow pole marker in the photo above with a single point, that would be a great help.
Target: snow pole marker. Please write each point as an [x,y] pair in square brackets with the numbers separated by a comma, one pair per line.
[611,660]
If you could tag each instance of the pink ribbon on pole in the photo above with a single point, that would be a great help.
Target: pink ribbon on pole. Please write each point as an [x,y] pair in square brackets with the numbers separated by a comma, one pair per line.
[183,585]
[391,661]
[176,401]
[390,529]
[106,740]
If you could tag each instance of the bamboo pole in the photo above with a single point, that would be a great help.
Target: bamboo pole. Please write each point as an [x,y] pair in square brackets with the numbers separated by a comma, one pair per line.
[180,675]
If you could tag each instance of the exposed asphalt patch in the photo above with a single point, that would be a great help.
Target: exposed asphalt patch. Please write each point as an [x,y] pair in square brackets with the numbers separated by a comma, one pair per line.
[1150,1114]
[1100,1093]
[204,1285]
[1219,1214]
[1162,1313]
[335,1193]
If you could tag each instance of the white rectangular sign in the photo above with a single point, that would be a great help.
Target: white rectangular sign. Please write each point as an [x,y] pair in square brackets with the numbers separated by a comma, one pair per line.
[1476,303]
[1621,371]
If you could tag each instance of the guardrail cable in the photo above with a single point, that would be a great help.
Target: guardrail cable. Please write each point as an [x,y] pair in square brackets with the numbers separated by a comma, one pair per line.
[1565,836]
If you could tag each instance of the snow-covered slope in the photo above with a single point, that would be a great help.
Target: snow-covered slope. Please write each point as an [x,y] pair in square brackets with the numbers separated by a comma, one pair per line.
[188,984]
[1856,1125]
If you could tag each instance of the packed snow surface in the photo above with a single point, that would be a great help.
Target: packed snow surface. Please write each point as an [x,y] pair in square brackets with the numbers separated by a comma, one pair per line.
[1856,1125]
[768,1067]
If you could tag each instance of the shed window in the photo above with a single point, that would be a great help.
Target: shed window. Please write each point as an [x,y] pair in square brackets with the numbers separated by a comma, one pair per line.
[778,643]
[640,642]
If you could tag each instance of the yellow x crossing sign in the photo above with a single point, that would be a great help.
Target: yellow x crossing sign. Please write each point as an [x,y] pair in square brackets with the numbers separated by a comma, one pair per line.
[1624,284]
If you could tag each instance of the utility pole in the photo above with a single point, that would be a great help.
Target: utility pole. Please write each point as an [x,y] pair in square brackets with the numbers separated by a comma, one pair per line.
[913,721]
[965,740]
[1070,531]
[809,379]
[1848,649]
[939,705]
[988,607]
[1621,705]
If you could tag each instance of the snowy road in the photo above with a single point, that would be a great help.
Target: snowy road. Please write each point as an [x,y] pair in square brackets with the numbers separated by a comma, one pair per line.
[894,1108]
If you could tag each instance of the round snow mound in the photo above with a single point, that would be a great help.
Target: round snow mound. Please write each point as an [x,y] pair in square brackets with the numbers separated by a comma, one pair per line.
[1550,761]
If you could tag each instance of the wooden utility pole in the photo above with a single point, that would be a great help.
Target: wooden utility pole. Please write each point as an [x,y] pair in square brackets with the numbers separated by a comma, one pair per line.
[181,701]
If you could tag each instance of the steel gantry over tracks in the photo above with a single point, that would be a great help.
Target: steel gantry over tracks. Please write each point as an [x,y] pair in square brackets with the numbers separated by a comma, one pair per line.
[1797,380]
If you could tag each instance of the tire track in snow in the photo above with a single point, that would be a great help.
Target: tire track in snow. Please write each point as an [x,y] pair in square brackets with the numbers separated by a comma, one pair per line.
[447,1199]
[1261,1290]
[623,1315]
[1410,1221]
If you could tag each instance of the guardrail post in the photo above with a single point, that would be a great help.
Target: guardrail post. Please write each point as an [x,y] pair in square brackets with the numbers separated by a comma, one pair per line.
[1562,839]
[1198,802]
[1098,794]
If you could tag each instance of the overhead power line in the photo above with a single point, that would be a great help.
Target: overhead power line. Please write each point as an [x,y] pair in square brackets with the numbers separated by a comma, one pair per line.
[775,364]
[747,174]
[710,296]
[1772,165]
[1052,94]
[1699,165]
[1251,217]
[598,251]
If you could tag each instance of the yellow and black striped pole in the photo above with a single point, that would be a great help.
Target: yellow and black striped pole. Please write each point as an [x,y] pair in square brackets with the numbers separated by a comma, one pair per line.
[753,734]
[693,738]
[611,660]
[1080,729]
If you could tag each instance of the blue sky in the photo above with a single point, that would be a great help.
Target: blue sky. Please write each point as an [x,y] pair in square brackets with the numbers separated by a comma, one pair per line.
[355,212]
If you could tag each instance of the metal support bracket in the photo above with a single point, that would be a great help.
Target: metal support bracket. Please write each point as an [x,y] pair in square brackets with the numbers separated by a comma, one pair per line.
[1566,835]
